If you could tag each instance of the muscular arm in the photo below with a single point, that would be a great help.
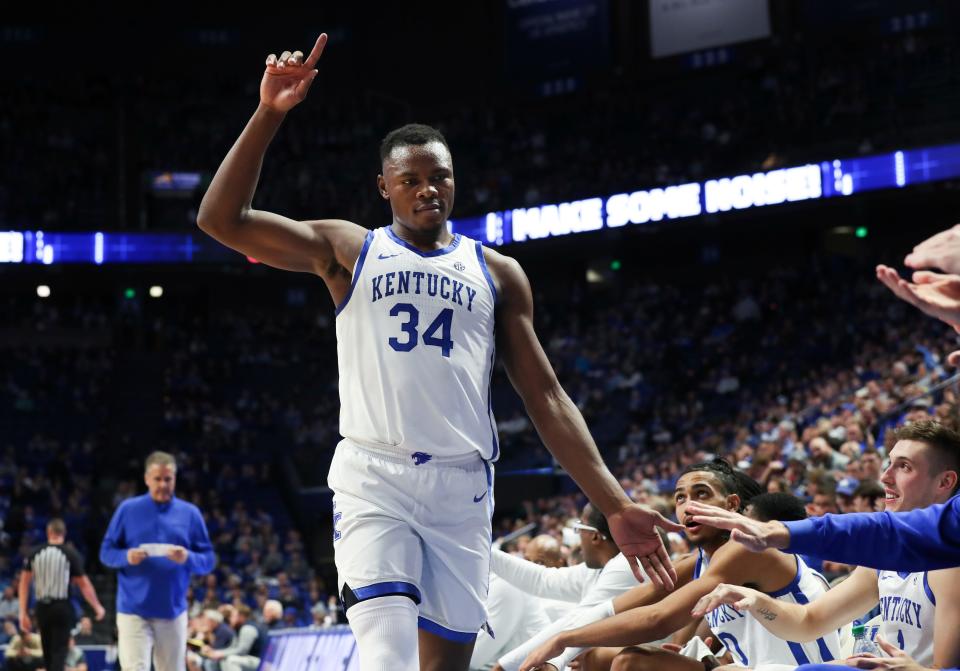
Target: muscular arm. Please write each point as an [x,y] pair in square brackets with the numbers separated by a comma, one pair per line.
[730,564]
[646,594]
[329,247]
[945,586]
[556,418]
[226,213]
[801,623]
[637,597]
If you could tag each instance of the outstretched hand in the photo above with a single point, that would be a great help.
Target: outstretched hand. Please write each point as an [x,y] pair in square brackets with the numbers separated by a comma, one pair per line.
[938,295]
[756,536]
[288,78]
[634,531]
[939,251]
[741,598]
[537,659]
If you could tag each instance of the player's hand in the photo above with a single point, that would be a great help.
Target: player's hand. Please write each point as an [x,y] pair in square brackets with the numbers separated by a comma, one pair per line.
[538,658]
[634,530]
[741,598]
[936,294]
[135,556]
[25,623]
[288,78]
[99,613]
[756,536]
[940,251]
[178,554]
[898,660]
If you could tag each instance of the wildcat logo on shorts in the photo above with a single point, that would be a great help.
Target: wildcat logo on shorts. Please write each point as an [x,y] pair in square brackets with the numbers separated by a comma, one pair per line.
[420,458]
[459,266]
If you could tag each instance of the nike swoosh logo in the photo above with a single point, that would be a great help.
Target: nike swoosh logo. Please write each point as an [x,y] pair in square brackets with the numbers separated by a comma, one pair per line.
[478,499]
[387,256]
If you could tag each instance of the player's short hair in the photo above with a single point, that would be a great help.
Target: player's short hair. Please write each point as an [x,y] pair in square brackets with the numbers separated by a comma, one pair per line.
[778,506]
[244,610]
[944,441]
[56,527]
[598,520]
[160,459]
[411,134]
[733,481]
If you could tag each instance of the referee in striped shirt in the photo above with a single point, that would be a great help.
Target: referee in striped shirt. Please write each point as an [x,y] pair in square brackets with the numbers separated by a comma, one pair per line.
[52,567]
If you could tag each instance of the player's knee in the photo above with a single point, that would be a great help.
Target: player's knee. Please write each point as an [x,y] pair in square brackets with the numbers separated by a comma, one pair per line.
[350,599]
[386,631]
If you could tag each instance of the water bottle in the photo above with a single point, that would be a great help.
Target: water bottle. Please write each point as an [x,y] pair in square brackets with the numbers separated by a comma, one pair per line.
[862,644]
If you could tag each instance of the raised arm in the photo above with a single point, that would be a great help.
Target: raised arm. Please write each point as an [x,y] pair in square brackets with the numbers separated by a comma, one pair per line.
[328,247]
[561,426]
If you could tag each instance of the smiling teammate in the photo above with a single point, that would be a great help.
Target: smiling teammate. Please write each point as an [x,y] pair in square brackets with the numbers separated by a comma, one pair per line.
[920,612]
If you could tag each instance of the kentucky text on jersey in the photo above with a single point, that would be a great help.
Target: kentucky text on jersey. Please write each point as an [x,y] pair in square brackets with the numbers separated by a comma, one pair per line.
[899,609]
[418,282]
[722,615]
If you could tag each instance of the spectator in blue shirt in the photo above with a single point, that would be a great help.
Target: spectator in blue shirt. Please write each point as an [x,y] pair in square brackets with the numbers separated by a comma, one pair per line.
[156,542]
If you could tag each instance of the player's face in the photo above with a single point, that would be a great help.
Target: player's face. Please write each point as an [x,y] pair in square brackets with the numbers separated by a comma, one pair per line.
[704,487]
[418,182]
[910,480]
[161,481]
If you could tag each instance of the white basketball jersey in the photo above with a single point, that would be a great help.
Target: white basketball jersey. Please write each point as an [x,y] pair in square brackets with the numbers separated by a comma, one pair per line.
[415,344]
[906,612]
[751,645]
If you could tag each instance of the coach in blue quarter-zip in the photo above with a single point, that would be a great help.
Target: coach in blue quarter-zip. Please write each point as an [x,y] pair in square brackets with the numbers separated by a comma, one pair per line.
[155,541]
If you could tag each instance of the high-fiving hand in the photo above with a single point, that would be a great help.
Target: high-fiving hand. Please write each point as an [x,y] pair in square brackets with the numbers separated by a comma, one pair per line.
[756,536]
[634,530]
[936,294]
[940,251]
[288,78]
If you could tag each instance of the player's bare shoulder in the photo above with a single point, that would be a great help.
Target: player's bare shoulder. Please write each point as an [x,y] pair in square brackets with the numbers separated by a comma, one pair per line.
[345,238]
[508,276]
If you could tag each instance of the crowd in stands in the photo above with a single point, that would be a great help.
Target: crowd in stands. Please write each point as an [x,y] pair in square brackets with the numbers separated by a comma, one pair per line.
[800,398]
[785,101]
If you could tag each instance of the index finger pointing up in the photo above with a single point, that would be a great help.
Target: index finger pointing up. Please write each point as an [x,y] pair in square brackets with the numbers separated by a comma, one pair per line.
[316,51]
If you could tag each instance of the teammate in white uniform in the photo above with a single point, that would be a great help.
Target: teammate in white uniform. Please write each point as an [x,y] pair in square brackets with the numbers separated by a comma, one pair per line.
[774,572]
[416,309]
[920,612]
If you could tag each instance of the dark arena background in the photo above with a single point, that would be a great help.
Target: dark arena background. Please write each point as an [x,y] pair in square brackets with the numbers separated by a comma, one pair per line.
[699,193]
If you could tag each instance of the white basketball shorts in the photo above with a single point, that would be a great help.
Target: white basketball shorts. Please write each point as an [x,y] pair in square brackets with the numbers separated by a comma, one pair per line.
[416,525]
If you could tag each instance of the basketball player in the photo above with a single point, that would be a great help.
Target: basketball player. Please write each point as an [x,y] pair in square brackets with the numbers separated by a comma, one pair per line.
[920,612]
[417,309]
[783,576]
